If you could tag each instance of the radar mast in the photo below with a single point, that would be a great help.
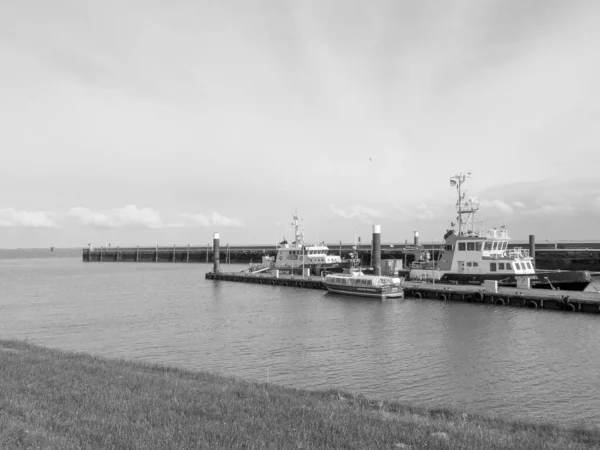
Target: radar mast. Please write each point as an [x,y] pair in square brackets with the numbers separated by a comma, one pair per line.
[466,208]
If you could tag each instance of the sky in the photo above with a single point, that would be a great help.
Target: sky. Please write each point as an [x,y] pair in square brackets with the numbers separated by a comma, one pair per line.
[151,122]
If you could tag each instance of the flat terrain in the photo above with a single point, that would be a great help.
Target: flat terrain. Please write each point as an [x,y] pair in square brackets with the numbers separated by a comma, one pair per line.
[56,400]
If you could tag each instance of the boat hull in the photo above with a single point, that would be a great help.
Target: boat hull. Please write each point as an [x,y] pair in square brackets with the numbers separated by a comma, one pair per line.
[577,280]
[378,293]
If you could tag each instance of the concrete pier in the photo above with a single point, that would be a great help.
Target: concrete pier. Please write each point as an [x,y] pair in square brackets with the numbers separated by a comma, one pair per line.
[564,256]
[568,301]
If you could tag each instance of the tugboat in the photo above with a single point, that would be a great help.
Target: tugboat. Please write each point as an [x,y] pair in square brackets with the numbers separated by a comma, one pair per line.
[296,258]
[471,256]
[354,282]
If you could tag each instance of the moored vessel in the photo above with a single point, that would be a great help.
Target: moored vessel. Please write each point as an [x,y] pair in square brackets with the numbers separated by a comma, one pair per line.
[354,282]
[471,255]
[299,258]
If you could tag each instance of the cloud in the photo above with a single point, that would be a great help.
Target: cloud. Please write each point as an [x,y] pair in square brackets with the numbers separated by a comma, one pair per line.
[499,205]
[10,217]
[218,219]
[551,210]
[421,211]
[519,205]
[363,213]
[214,219]
[128,217]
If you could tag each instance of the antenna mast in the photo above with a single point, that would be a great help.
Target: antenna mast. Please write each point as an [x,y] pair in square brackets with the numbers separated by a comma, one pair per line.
[468,207]
[298,235]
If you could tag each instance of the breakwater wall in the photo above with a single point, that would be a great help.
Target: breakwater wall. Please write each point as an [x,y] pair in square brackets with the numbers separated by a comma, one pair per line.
[556,255]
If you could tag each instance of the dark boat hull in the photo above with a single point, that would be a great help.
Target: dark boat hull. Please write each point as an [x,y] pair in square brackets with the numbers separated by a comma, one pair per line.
[379,293]
[576,280]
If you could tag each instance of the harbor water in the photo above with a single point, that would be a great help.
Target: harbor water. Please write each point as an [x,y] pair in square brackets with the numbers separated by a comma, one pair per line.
[510,362]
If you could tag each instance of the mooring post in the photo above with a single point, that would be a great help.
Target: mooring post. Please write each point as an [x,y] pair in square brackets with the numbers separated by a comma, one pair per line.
[156,253]
[187,256]
[532,247]
[173,253]
[216,253]
[137,254]
[376,252]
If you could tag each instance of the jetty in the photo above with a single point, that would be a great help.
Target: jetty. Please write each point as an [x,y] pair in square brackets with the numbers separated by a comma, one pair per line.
[572,301]
[562,255]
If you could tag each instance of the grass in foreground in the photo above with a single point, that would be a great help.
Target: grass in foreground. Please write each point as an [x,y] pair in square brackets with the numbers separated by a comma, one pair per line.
[55,400]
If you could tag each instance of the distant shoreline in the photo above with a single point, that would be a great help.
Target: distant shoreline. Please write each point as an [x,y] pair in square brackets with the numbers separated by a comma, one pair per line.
[55,399]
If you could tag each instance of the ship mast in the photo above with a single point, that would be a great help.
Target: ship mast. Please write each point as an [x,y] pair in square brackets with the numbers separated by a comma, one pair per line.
[298,235]
[466,208]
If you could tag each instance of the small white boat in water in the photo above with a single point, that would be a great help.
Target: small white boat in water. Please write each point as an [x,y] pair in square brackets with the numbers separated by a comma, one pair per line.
[354,282]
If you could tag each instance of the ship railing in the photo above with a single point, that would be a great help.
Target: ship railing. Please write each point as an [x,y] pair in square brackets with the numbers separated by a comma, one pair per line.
[255,267]
[496,234]
[519,252]
[429,265]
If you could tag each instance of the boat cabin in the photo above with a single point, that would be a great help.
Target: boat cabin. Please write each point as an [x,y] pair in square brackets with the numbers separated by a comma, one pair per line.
[484,252]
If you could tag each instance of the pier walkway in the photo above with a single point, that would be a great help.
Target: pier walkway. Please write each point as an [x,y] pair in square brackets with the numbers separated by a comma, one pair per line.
[572,301]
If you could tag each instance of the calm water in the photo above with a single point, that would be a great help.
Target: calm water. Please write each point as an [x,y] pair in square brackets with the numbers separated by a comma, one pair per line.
[507,361]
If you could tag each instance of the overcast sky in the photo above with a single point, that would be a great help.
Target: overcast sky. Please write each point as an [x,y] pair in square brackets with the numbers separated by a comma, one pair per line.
[140,122]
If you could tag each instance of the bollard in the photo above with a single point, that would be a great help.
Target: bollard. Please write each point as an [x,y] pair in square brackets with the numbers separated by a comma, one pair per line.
[532,247]
[216,251]
[376,255]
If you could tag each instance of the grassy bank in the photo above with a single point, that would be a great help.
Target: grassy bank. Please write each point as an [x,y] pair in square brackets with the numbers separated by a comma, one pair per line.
[55,400]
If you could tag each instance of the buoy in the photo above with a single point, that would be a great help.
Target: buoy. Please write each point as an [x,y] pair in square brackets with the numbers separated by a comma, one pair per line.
[418,295]
[478,296]
[469,299]
[569,306]
[500,301]
[532,304]
[442,296]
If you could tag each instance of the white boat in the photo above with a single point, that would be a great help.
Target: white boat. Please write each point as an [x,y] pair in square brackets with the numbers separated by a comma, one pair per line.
[297,257]
[354,282]
[473,255]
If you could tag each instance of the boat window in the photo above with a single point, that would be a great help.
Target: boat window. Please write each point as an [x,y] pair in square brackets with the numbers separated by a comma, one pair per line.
[529,266]
[495,245]
[492,267]
[475,264]
[500,266]
[461,246]
[487,246]
[478,246]
[508,267]
[470,246]
[504,245]
[449,247]
[518,266]
[469,264]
